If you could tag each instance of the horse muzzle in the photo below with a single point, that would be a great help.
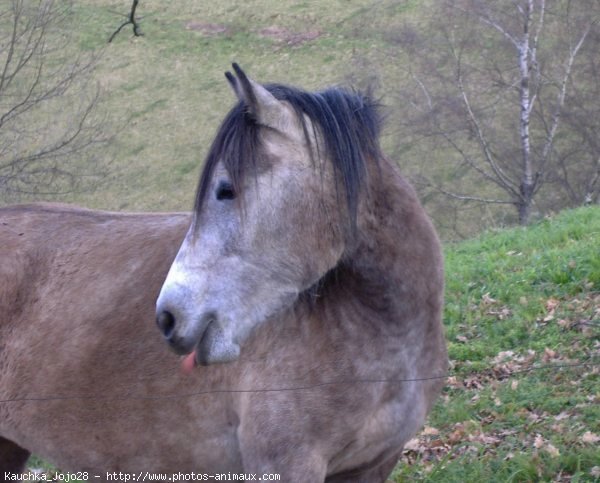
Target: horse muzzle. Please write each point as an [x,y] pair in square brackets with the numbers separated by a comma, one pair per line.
[207,338]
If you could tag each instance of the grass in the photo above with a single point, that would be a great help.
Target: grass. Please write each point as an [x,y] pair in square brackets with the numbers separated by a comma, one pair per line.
[164,94]
[172,82]
[522,315]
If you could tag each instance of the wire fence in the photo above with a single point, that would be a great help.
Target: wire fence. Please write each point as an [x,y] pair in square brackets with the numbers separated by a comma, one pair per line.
[591,362]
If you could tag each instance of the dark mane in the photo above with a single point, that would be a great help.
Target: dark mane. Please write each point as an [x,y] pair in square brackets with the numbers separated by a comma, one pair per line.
[348,122]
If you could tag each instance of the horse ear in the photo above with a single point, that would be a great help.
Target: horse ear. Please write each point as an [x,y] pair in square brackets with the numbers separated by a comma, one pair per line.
[261,104]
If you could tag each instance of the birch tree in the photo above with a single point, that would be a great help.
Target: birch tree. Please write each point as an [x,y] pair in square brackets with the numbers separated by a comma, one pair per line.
[491,84]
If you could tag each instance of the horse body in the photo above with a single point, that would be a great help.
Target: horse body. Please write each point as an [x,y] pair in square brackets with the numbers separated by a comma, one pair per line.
[327,314]
[75,301]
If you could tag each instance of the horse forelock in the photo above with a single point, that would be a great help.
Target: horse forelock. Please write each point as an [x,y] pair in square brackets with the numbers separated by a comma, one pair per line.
[348,124]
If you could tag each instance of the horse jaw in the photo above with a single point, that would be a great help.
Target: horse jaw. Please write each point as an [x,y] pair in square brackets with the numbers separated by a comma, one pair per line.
[216,346]
[213,348]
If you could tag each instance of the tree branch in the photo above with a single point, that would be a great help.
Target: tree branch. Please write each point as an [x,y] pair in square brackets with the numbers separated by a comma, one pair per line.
[504,181]
[592,188]
[130,20]
[562,94]
[48,116]
[463,197]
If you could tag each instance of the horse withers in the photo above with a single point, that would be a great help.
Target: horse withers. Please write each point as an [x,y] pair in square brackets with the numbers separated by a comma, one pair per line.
[305,299]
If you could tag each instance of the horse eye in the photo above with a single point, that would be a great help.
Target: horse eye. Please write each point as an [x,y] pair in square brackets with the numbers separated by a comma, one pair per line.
[225,191]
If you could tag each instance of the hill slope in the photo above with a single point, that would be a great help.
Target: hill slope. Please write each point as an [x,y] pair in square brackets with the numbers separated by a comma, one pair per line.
[164,94]
[522,318]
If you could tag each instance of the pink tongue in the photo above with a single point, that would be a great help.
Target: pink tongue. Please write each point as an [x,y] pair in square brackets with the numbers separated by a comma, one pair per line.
[188,363]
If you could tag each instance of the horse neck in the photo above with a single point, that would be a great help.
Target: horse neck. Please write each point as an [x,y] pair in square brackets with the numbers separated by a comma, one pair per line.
[394,268]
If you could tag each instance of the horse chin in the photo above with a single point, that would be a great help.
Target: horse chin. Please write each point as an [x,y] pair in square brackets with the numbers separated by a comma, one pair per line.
[216,346]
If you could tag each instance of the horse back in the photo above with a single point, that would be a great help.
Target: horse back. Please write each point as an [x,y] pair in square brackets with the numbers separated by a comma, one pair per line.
[44,245]
[20,269]
[59,267]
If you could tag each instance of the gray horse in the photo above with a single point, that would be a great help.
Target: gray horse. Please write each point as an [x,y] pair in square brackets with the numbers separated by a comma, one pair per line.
[306,300]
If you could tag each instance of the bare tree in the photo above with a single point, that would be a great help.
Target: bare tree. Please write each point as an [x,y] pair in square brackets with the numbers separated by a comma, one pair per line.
[579,160]
[49,119]
[129,20]
[490,84]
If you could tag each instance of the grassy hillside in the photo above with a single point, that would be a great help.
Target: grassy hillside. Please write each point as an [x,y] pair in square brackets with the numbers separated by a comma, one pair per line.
[522,315]
[164,94]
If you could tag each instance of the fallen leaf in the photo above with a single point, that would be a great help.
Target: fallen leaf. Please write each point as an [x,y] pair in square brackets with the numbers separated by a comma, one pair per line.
[484,438]
[552,450]
[551,304]
[436,443]
[487,300]
[538,442]
[459,433]
[549,354]
[502,314]
[502,356]
[472,383]
[514,385]
[412,445]
[452,381]
[428,430]
[590,438]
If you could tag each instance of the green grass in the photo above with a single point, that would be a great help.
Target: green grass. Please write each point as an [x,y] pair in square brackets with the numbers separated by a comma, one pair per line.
[517,300]
[164,94]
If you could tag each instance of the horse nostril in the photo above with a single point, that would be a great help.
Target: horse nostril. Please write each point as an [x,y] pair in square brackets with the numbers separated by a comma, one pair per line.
[166,323]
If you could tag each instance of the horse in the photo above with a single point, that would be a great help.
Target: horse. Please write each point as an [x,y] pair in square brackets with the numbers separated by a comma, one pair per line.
[303,297]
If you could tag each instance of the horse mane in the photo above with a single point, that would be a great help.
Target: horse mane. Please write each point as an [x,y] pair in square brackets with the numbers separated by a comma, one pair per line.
[348,123]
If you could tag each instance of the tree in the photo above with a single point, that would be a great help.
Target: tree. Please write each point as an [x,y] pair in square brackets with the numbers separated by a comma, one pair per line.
[579,161]
[491,82]
[130,19]
[49,118]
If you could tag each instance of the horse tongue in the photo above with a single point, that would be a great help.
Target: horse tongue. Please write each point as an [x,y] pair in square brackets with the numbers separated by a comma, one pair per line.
[188,363]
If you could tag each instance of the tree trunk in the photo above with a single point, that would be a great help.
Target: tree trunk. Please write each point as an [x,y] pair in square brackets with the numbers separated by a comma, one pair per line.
[527,180]
[525,202]
[130,20]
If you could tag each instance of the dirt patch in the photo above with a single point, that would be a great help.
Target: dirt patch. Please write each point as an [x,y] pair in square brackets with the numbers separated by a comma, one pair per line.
[207,29]
[281,35]
[288,37]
